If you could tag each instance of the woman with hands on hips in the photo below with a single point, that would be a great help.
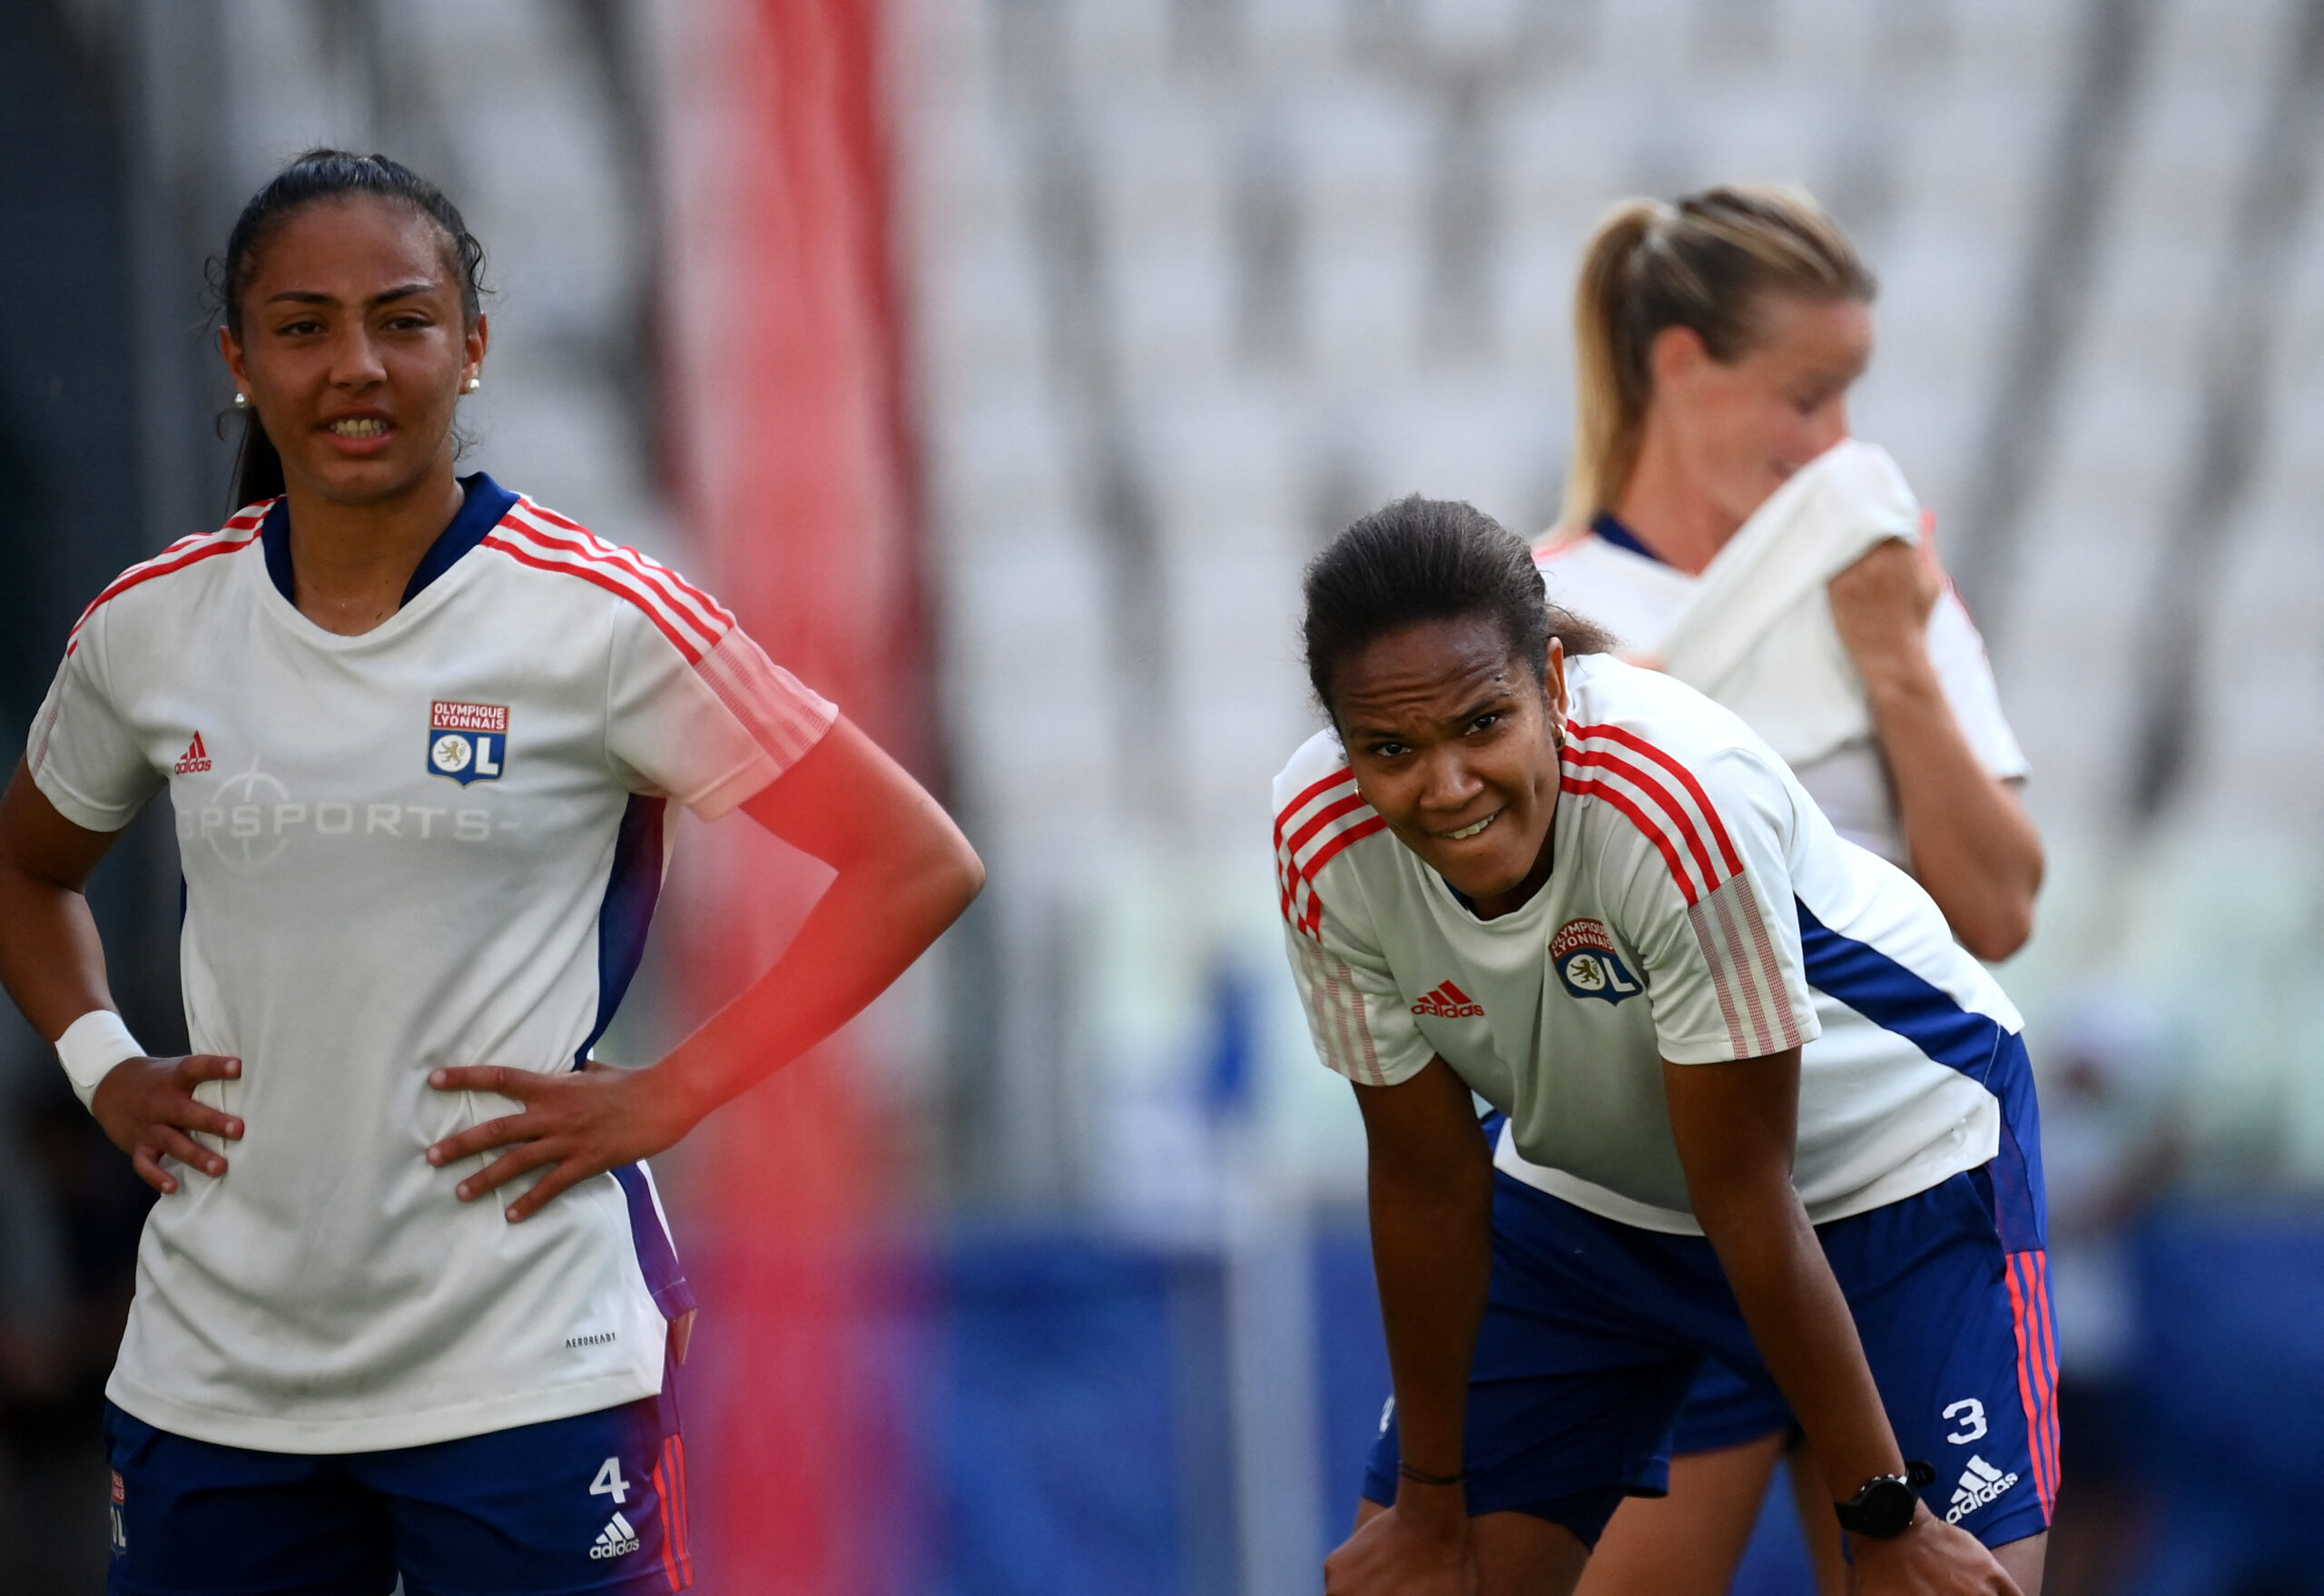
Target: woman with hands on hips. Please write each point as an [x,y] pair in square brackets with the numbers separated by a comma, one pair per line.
[403,1308]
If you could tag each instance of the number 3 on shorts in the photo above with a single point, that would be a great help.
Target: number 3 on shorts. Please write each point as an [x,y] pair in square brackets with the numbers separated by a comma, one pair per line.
[609,1482]
[1968,1412]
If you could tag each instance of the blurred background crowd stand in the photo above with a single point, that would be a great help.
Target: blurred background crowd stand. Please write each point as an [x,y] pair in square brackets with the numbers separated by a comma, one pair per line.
[1000,363]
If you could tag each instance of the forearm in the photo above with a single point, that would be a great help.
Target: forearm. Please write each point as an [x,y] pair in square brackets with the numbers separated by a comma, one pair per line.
[1801,1324]
[1432,1250]
[50,957]
[1431,1181]
[904,872]
[870,923]
[1971,842]
[50,961]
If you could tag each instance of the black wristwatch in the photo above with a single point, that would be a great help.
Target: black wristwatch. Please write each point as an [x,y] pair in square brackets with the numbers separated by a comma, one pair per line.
[1882,1509]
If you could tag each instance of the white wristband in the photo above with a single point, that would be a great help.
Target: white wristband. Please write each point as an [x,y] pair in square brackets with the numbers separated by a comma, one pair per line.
[91,1045]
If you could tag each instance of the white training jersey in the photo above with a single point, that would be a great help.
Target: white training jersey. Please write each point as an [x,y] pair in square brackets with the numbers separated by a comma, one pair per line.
[1606,575]
[435,843]
[1700,909]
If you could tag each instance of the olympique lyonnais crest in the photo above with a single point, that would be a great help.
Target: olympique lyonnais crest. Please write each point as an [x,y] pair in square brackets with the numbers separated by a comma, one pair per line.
[1585,960]
[467,742]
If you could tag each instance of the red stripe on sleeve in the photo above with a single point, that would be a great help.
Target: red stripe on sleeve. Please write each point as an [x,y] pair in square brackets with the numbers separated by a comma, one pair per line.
[1288,849]
[162,565]
[602,578]
[1296,805]
[1288,874]
[1312,920]
[1763,1036]
[1661,796]
[709,603]
[618,563]
[689,601]
[1637,817]
[1321,818]
[1722,985]
[1686,779]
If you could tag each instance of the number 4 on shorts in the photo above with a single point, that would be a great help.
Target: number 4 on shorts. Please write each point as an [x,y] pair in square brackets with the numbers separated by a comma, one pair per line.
[609,1482]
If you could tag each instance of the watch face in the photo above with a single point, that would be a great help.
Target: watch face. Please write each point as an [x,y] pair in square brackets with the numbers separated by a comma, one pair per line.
[1885,1509]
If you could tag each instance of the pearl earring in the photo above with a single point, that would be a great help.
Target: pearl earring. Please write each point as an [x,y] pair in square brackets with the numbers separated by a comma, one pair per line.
[242,401]
[474,383]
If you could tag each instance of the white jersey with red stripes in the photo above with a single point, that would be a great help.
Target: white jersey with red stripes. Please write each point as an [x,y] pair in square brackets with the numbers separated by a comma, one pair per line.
[1605,573]
[1702,909]
[437,843]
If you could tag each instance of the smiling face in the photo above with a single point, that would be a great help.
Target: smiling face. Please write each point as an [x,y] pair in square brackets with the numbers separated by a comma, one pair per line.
[352,349]
[1740,428]
[1455,745]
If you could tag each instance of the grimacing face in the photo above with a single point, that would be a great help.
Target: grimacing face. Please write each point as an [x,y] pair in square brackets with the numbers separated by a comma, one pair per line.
[353,350]
[1741,429]
[1455,745]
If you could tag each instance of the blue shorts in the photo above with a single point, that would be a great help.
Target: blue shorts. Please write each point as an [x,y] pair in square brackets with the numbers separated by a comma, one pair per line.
[1723,1409]
[595,1503]
[1596,1332]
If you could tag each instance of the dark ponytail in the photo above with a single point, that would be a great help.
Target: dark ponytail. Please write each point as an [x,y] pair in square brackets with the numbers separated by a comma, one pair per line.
[258,468]
[1430,559]
[327,175]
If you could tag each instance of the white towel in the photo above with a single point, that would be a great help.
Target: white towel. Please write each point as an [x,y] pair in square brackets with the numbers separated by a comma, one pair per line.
[1756,634]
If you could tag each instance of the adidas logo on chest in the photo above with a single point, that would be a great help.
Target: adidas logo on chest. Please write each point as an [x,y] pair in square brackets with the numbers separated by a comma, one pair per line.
[1448,1001]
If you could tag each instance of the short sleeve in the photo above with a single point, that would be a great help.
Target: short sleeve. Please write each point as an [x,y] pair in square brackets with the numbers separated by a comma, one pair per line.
[82,753]
[1707,903]
[1958,653]
[709,730]
[1354,1011]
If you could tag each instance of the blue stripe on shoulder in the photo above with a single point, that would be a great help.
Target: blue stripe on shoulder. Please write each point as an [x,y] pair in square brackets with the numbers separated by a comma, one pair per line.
[1977,1045]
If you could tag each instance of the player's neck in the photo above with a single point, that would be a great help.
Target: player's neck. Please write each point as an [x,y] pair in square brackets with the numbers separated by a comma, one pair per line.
[1494,905]
[351,562]
[1664,510]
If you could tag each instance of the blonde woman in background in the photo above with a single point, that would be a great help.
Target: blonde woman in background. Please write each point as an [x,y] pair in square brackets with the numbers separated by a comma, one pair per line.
[1718,338]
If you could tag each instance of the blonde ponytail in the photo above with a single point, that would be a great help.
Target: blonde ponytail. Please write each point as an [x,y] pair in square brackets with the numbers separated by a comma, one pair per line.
[1609,405]
[1703,263]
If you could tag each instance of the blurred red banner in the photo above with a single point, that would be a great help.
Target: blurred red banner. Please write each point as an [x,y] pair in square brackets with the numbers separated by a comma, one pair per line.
[787,440]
